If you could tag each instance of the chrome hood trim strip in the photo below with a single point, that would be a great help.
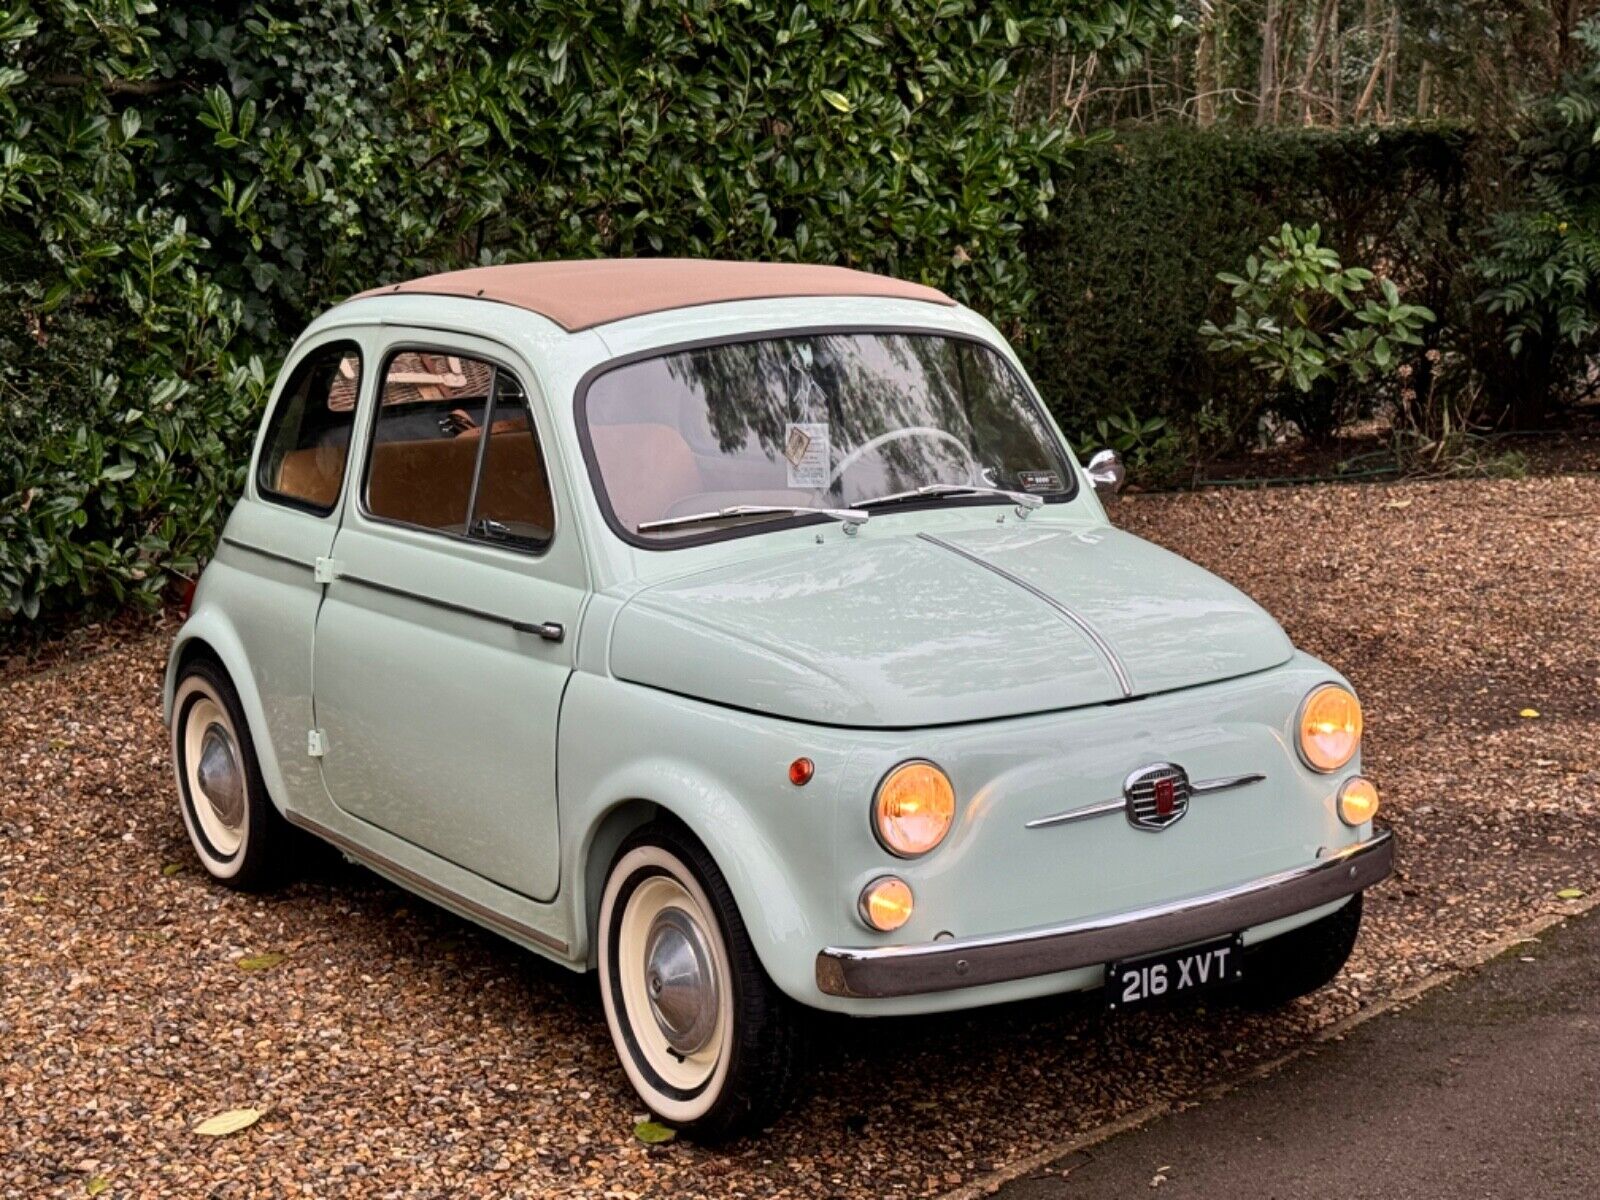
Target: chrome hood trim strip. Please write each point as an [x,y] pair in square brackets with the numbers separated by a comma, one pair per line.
[1199,787]
[1072,618]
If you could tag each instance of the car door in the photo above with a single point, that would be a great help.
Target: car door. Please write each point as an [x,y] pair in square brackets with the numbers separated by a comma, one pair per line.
[445,638]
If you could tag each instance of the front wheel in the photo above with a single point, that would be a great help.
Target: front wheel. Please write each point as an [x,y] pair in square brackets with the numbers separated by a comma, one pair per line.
[705,1038]
[1299,962]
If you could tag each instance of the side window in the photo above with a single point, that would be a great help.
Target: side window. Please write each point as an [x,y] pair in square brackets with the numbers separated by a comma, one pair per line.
[308,438]
[454,449]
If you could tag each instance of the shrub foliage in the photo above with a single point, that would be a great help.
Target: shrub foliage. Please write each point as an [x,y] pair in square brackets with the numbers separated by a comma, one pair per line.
[182,185]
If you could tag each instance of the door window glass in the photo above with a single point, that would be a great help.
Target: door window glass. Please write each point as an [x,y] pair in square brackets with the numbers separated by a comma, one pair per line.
[454,450]
[308,439]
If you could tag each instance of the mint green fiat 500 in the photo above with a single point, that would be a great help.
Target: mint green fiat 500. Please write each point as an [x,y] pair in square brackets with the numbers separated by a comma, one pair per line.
[749,634]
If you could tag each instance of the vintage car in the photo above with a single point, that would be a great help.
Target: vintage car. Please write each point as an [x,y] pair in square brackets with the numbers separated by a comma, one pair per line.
[749,634]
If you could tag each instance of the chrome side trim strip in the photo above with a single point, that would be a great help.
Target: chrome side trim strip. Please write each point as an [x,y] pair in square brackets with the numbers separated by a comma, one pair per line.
[265,553]
[550,631]
[1203,787]
[1072,618]
[428,888]
[880,971]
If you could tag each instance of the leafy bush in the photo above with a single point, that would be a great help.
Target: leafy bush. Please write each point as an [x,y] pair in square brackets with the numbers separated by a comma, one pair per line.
[1298,322]
[1126,264]
[1541,268]
[182,187]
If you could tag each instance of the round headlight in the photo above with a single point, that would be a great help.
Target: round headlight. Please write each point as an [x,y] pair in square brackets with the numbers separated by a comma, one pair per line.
[886,903]
[1358,800]
[1330,728]
[913,809]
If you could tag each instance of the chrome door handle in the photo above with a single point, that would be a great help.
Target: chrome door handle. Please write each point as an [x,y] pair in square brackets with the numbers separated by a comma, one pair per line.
[550,631]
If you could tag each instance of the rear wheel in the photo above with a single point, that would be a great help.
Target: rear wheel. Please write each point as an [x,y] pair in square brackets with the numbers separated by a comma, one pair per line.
[704,1037]
[1301,961]
[237,834]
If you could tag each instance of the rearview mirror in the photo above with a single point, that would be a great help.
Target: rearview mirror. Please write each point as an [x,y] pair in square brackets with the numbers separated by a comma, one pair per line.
[1106,472]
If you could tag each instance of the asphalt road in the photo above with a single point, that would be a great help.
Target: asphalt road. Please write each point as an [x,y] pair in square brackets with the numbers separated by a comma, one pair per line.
[1487,1088]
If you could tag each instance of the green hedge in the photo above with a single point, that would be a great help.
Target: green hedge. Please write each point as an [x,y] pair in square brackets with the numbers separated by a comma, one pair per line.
[1126,266]
[183,185]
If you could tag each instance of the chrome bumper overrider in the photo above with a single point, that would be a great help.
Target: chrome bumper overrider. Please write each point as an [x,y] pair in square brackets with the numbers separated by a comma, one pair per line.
[882,971]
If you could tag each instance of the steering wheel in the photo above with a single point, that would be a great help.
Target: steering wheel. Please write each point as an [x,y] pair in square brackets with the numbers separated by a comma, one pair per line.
[928,431]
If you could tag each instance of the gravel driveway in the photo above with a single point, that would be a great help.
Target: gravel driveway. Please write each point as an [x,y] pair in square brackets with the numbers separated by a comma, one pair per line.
[403,1052]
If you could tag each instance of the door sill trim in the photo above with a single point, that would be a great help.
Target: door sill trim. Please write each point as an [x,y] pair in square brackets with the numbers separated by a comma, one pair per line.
[428,888]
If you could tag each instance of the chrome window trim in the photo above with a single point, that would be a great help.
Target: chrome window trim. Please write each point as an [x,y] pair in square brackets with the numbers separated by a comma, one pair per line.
[875,972]
[1073,618]
[580,412]
[407,346]
[253,483]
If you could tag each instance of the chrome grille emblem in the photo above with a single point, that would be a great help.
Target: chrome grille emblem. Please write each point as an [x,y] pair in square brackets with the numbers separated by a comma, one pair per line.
[1156,796]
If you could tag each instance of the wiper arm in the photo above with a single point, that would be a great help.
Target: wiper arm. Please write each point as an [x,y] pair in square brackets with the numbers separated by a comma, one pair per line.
[853,518]
[1025,501]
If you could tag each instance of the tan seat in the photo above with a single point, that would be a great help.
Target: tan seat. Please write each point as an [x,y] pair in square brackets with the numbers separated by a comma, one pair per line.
[647,467]
[427,483]
[312,475]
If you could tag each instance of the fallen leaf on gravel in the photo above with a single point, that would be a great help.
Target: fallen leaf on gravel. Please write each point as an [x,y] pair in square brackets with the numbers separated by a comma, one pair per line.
[1529,712]
[171,869]
[1398,504]
[228,1122]
[653,1133]
[97,1185]
[260,962]
[1570,894]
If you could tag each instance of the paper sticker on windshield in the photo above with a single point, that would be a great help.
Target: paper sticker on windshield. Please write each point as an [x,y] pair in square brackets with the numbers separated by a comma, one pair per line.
[1039,481]
[805,447]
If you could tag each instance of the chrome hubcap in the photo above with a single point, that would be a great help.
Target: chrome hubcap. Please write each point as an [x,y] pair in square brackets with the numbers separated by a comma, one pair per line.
[218,776]
[681,981]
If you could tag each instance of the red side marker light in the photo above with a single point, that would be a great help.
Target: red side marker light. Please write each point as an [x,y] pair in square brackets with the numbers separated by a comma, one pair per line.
[801,770]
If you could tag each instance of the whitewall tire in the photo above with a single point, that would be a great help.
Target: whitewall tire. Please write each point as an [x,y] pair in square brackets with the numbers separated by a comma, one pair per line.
[234,829]
[705,1039]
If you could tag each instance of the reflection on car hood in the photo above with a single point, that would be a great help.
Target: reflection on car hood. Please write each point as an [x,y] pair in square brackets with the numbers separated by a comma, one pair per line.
[913,631]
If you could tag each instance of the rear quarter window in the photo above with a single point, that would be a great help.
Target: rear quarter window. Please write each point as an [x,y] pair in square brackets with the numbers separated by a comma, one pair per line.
[307,443]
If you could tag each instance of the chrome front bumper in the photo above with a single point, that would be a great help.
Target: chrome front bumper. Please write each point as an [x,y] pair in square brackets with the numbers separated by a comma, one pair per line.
[882,971]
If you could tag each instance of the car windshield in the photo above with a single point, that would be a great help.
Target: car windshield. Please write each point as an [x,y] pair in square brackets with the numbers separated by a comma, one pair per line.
[819,421]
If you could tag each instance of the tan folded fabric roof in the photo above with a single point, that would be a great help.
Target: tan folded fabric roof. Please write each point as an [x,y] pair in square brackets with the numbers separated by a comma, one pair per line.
[578,295]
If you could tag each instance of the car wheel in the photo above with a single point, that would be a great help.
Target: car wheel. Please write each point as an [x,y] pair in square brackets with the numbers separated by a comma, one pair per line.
[1299,962]
[705,1038]
[236,832]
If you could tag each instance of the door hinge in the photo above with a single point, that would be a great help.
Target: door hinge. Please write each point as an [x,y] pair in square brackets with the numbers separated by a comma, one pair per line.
[316,743]
[327,570]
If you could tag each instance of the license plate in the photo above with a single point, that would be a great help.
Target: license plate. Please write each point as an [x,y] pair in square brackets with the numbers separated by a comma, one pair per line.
[1172,973]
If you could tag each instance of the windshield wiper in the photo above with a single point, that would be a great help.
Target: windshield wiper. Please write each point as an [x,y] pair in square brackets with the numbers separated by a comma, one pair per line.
[1026,502]
[853,518]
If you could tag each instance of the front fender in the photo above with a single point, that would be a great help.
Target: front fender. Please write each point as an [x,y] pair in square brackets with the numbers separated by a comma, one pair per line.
[627,751]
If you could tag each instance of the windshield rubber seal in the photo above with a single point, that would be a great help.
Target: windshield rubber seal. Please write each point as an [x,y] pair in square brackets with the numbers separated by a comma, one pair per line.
[580,402]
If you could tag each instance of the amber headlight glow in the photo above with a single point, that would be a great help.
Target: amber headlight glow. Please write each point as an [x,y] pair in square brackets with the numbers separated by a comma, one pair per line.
[1330,728]
[913,809]
[1358,800]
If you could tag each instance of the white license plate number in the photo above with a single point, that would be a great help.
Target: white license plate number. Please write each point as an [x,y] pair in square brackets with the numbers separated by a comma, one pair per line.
[1155,977]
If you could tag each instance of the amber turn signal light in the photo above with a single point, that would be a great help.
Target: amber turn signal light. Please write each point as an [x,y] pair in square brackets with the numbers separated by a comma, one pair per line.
[886,903]
[1358,800]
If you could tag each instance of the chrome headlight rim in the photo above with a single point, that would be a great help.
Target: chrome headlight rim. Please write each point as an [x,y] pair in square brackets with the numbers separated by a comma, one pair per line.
[1299,727]
[877,796]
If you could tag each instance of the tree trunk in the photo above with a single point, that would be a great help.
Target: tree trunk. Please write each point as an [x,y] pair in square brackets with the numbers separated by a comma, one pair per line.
[1267,73]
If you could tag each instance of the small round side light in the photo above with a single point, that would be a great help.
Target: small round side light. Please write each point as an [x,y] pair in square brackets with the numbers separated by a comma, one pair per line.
[801,770]
[886,903]
[1358,800]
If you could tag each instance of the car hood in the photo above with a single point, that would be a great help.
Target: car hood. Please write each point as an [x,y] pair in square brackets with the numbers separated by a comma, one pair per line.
[896,632]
